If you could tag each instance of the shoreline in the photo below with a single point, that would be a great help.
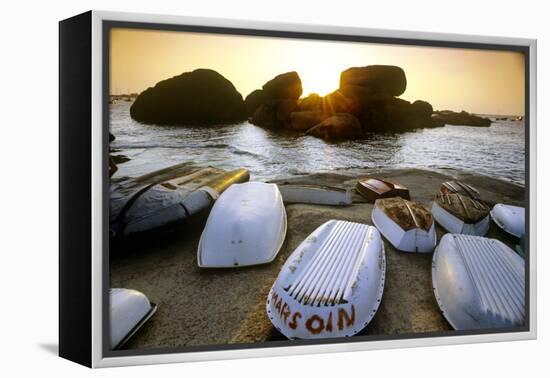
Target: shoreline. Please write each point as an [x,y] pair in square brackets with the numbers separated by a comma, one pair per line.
[204,307]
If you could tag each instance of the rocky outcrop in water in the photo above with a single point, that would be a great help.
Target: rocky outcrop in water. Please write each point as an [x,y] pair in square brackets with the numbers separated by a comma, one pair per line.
[305,119]
[362,82]
[254,100]
[368,94]
[199,97]
[271,106]
[463,118]
[367,97]
[284,86]
[339,126]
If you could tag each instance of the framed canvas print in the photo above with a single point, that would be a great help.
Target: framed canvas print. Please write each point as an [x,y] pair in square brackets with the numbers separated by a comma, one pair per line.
[233,189]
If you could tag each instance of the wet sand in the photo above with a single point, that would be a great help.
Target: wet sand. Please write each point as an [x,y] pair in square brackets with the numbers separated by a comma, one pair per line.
[221,306]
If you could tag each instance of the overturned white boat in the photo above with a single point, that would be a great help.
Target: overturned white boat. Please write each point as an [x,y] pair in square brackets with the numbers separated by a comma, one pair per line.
[478,282]
[247,226]
[509,218]
[460,188]
[407,225]
[161,204]
[461,214]
[331,285]
[315,194]
[130,309]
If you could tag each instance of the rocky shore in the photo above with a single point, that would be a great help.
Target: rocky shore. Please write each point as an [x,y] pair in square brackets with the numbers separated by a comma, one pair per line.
[367,100]
[205,307]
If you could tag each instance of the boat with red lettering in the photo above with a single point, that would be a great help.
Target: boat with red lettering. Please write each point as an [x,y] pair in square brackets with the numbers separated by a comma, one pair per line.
[407,225]
[331,285]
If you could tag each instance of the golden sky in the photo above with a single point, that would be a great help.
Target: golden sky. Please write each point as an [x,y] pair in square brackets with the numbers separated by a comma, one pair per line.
[479,81]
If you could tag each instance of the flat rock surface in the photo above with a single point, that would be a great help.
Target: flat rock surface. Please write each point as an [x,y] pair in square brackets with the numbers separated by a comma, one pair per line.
[221,306]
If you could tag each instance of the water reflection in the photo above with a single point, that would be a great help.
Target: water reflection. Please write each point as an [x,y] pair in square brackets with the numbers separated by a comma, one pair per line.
[497,151]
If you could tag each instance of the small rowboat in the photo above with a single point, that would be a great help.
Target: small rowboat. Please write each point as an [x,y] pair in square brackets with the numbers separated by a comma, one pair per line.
[460,187]
[478,282]
[461,214]
[130,309]
[331,285]
[315,194]
[247,226]
[407,225]
[372,188]
[167,202]
[510,219]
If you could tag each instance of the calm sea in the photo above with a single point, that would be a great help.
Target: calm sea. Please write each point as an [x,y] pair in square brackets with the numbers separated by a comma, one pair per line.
[496,151]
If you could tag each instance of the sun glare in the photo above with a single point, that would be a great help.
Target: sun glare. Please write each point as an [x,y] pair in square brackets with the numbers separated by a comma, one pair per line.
[319,79]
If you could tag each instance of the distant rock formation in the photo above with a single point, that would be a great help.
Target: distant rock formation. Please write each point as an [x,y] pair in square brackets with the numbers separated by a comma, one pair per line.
[365,93]
[366,101]
[463,118]
[199,97]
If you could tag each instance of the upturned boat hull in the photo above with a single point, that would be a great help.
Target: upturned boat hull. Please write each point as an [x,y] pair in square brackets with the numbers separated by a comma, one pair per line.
[331,285]
[478,283]
[455,225]
[315,195]
[162,204]
[247,226]
[130,310]
[372,188]
[406,225]
[510,219]
[461,214]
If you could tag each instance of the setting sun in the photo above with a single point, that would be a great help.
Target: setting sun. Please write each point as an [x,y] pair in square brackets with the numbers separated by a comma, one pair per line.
[321,79]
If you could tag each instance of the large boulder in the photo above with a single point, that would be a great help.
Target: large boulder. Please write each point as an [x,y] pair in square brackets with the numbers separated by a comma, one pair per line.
[377,79]
[422,109]
[254,100]
[339,126]
[463,118]
[312,102]
[284,86]
[274,113]
[305,119]
[386,113]
[199,97]
[337,102]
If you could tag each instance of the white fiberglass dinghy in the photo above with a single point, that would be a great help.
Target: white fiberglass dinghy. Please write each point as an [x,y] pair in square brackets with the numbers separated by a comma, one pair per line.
[509,218]
[460,214]
[174,200]
[130,309]
[407,225]
[247,226]
[315,194]
[331,285]
[478,282]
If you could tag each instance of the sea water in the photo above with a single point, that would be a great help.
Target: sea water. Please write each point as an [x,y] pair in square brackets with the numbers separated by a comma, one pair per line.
[496,151]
